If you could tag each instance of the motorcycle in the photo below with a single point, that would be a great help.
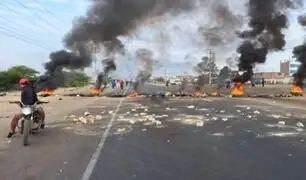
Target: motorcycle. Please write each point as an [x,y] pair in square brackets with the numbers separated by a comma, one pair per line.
[31,120]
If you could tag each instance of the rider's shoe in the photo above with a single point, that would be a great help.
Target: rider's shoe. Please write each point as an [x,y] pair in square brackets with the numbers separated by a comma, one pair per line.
[42,126]
[10,134]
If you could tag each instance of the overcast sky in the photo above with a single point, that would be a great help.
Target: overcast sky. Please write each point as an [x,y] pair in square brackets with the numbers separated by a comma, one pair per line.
[42,25]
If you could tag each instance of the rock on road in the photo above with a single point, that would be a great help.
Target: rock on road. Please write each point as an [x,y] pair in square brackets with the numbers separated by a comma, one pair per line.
[165,139]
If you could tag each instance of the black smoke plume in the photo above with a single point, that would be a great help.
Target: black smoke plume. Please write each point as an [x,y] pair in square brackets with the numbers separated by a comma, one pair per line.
[147,62]
[224,24]
[106,20]
[299,53]
[54,75]
[267,20]
[103,23]
[108,66]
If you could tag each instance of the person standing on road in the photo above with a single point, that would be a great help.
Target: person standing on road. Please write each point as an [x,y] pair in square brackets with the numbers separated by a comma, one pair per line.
[121,84]
[113,84]
[263,82]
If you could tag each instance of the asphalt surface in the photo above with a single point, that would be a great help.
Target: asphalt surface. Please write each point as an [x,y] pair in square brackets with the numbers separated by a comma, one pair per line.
[239,140]
[159,138]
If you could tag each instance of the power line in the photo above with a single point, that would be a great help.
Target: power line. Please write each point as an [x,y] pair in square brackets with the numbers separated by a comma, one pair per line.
[18,14]
[36,15]
[14,36]
[48,11]
[16,32]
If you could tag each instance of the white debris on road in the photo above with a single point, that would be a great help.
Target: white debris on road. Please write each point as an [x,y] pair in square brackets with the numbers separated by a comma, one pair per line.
[98,117]
[191,107]
[300,125]
[110,112]
[202,109]
[256,112]
[224,119]
[281,123]
[222,111]
[214,118]
[86,113]
[200,124]
[83,120]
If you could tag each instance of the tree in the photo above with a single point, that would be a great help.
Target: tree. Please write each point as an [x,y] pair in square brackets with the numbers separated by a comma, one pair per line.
[17,72]
[206,65]
[9,78]
[76,79]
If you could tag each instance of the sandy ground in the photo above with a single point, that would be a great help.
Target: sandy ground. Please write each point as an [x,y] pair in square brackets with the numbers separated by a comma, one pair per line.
[55,109]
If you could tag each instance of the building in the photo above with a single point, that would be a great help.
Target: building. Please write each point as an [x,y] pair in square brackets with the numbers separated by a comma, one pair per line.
[272,77]
[289,67]
[284,67]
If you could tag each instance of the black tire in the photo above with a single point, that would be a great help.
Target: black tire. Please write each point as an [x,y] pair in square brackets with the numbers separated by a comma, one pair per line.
[26,132]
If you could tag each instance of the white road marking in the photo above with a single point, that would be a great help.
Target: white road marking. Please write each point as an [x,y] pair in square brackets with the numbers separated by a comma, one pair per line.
[94,159]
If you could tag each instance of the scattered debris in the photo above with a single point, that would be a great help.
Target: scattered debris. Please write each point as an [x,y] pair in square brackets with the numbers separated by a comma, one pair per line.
[256,112]
[98,117]
[202,109]
[238,110]
[249,116]
[191,107]
[86,113]
[224,119]
[214,118]
[200,124]
[143,114]
[281,123]
[83,120]
[133,110]
[110,112]
[276,116]
[299,129]
[119,130]
[222,111]
[144,129]
[300,125]
[157,122]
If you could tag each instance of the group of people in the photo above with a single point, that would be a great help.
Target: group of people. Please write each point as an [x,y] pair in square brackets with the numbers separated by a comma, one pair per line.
[117,83]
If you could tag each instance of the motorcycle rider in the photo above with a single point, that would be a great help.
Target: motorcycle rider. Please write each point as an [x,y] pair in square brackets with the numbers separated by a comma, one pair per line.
[28,97]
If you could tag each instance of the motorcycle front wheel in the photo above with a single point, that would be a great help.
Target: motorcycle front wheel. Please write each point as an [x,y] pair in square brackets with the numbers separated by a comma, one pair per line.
[26,131]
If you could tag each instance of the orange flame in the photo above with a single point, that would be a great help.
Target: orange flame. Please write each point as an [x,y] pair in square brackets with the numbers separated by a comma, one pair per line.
[47,92]
[197,92]
[133,94]
[95,91]
[214,92]
[238,89]
[296,90]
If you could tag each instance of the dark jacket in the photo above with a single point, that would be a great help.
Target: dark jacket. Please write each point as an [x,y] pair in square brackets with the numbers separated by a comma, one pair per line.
[28,95]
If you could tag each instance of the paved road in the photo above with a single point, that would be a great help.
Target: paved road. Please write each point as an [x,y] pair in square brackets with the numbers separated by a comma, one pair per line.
[212,138]
[239,140]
